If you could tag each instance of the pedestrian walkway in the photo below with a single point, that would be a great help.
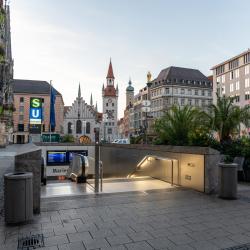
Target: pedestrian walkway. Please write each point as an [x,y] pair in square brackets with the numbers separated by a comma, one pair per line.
[158,219]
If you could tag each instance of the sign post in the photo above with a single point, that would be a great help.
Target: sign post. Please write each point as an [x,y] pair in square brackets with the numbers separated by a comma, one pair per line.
[146,108]
[97,160]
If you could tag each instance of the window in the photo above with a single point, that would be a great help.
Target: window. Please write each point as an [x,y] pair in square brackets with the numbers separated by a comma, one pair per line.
[223,91]
[203,104]
[190,102]
[231,87]
[237,85]
[20,117]
[109,131]
[247,84]
[234,64]
[219,70]
[247,95]
[247,58]
[107,104]
[21,99]
[196,92]
[78,127]
[223,79]
[237,98]
[182,101]
[43,128]
[209,93]
[182,91]
[247,69]
[88,128]
[69,128]
[167,91]
[218,80]
[203,92]
[113,104]
[21,109]
[20,127]
[196,102]
[231,75]
[175,100]
[237,73]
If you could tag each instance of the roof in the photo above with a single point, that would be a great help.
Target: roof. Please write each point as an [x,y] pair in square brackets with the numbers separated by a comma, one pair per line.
[110,71]
[32,87]
[231,59]
[130,87]
[179,75]
[66,109]
[109,91]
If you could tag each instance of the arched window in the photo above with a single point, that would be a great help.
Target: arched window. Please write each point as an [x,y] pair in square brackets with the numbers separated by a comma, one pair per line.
[69,128]
[78,127]
[88,128]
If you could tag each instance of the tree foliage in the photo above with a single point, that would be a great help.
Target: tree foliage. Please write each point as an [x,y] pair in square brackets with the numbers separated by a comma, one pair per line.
[225,118]
[181,125]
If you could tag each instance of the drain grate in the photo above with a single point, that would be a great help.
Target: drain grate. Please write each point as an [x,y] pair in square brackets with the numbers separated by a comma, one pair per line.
[30,242]
[239,247]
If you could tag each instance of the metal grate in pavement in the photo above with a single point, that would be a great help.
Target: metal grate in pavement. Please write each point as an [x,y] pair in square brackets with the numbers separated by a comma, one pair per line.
[239,247]
[30,242]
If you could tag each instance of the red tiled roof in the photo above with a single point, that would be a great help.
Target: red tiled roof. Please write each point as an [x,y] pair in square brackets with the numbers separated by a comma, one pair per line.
[110,71]
[109,91]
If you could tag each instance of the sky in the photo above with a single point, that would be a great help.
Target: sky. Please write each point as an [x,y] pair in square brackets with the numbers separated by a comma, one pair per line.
[72,41]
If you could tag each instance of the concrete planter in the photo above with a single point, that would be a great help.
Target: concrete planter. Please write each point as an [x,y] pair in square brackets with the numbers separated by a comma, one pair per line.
[228,180]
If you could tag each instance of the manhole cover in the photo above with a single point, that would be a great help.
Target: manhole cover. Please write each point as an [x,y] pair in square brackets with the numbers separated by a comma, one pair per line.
[239,247]
[30,242]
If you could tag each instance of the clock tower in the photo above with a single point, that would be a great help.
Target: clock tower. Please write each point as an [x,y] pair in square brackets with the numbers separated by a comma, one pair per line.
[110,106]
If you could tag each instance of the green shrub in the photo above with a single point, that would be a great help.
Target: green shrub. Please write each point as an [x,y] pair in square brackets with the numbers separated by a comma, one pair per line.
[68,138]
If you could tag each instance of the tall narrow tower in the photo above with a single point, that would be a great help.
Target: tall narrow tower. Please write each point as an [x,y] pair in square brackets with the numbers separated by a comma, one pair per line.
[110,106]
[129,94]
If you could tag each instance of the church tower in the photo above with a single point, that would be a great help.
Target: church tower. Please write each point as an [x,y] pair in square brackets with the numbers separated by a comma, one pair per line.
[129,94]
[110,106]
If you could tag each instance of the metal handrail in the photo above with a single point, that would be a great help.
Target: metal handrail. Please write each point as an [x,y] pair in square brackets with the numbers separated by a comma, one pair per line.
[155,157]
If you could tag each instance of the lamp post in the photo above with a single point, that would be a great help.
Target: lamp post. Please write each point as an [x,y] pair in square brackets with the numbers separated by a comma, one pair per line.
[105,118]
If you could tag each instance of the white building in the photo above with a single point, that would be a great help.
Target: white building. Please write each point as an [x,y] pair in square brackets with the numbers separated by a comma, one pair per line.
[110,107]
[80,119]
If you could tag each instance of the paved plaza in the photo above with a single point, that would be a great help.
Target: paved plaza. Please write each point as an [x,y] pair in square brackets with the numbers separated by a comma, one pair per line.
[159,219]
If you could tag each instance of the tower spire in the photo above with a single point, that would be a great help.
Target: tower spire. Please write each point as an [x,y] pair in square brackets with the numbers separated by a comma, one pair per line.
[79,91]
[96,109]
[110,74]
[91,100]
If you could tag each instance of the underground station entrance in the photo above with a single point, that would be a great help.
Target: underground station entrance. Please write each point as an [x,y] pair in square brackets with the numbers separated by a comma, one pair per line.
[84,176]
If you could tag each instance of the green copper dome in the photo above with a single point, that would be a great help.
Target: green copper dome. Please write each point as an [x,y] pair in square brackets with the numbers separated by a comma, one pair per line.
[130,87]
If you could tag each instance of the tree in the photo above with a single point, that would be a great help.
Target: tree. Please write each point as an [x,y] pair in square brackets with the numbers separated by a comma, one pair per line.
[225,118]
[180,124]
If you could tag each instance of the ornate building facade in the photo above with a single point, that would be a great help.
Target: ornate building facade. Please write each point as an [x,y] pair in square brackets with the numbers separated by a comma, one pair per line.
[6,76]
[110,107]
[81,119]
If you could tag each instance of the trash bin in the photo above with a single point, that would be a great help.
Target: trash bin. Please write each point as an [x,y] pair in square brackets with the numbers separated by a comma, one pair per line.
[228,180]
[18,197]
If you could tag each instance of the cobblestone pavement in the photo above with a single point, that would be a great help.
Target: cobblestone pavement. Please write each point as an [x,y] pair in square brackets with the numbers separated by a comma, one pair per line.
[160,219]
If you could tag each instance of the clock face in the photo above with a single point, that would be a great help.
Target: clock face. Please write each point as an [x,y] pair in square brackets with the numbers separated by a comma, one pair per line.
[110,114]
[109,100]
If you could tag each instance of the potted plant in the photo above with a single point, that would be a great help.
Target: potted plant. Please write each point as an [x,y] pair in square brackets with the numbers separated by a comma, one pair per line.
[228,178]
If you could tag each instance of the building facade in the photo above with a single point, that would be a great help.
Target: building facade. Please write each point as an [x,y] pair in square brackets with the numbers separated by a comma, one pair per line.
[232,78]
[24,90]
[6,76]
[110,107]
[81,119]
[179,86]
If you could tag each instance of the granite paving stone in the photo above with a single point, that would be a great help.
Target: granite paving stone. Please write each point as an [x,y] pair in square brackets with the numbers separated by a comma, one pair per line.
[95,243]
[138,246]
[118,239]
[161,243]
[72,246]
[74,237]
[55,240]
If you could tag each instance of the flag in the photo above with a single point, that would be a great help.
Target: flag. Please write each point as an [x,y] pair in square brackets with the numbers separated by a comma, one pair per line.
[52,108]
